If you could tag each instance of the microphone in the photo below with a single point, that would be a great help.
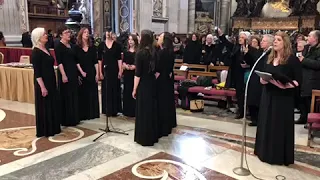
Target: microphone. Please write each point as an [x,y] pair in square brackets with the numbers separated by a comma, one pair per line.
[267,51]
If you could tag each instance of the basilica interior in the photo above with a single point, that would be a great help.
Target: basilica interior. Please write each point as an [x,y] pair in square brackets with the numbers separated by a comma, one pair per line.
[205,145]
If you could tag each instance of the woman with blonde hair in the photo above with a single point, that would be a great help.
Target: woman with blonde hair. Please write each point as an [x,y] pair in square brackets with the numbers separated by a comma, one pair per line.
[275,130]
[46,93]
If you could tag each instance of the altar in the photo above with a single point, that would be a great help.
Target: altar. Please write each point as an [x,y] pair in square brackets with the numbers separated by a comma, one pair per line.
[303,24]
[271,16]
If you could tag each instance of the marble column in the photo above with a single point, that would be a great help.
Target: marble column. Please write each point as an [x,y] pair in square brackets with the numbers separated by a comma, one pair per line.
[97,17]
[14,20]
[191,15]
[107,14]
[224,14]
[124,18]
[173,15]
[144,14]
[183,17]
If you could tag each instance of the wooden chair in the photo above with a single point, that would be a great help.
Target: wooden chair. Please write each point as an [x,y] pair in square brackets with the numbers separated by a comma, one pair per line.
[199,67]
[178,61]
[177,66]
[178,72]
[218,68]
[25,59]
[1,58]
[200,73]
[313,118]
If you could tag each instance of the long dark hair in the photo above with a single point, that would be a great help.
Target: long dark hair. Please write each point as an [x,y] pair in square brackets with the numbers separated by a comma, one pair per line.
[79,37]
[136,42]
[146,44]
[167,41]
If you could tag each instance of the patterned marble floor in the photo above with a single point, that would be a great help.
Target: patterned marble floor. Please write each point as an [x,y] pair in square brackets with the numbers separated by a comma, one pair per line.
[199,148]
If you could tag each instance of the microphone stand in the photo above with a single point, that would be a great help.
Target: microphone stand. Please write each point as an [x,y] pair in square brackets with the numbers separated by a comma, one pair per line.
[107,129]
[241,171]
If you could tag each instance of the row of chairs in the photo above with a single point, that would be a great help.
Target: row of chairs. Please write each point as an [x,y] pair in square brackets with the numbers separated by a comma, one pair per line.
[196,70]
[23,59]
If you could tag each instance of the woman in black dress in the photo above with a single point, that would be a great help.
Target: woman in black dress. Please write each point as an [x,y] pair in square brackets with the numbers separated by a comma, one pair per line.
[144,91]
[110,70]
[129,104]
[46,93]
[192,52]
[275,131]
[165,85]
[68,81]
[88,67]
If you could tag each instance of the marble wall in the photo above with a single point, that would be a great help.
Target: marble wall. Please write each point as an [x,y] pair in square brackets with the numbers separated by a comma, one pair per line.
[14,20]
[167,15]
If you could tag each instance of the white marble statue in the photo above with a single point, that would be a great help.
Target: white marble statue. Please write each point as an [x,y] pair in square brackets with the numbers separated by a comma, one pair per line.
[84,12]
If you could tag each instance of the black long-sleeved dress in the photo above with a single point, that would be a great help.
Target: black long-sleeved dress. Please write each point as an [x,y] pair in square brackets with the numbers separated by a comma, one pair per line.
[110,96]
[129,104]
[192,53]
[235,78]
[165,92]
[68,91]
[146,126]
[275,130]
[46,108]
[88,90]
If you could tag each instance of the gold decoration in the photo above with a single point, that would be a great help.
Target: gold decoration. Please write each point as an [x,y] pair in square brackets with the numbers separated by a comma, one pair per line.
[275,23]
[282,6]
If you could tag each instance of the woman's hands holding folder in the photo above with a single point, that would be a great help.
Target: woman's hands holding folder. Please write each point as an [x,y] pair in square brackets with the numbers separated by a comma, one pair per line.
[284,86]
[262,81]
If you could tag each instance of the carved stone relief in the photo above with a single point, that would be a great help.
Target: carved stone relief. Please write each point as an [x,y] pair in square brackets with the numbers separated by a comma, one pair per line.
[157,8]
[203,23]
[24,24]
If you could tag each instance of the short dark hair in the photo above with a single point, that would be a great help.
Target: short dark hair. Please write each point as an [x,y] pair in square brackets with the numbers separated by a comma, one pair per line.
[61,29]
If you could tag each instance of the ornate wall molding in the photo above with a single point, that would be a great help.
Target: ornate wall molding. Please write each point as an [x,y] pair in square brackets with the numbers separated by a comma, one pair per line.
[24,19]
[124,15]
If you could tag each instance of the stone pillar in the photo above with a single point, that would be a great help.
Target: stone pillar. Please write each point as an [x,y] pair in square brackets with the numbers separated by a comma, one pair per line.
[124,16]
[191,15]
[97,17]
[224,14]
[183,17]
[173,15]
[144,14]
[14,21]
[107,15]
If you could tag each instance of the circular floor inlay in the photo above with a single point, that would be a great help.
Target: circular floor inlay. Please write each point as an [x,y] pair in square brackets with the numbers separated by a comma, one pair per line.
[2,115]
[163,169]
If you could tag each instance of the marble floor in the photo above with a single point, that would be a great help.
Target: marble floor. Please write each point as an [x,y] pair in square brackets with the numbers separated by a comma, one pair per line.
[203,146]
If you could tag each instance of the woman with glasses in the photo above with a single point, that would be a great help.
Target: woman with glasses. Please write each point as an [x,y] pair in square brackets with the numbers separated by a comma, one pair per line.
[67,79]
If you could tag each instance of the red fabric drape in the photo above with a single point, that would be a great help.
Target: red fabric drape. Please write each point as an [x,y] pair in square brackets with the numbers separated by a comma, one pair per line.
[12,54]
